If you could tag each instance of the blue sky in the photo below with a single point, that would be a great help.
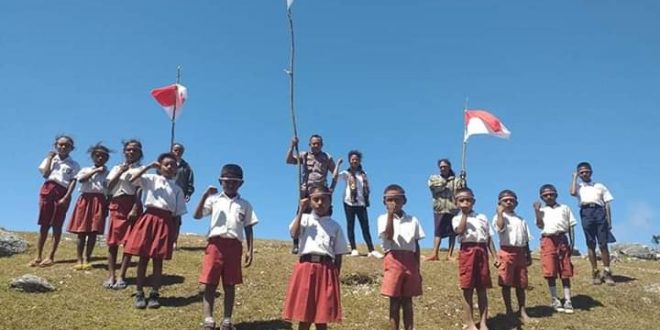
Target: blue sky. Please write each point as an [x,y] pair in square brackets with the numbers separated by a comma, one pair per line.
[572,80]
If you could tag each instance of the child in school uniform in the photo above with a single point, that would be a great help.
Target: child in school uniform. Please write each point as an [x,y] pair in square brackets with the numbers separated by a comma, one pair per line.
[59,170]
[475,235]
[555,221]
[152,234]
[88,218]
[313,294]
[231,215]
[514,256]
[594,199]
[124,208]
[400,233]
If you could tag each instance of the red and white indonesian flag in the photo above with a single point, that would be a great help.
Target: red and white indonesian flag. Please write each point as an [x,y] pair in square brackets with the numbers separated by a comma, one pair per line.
[171,97]
[483,122]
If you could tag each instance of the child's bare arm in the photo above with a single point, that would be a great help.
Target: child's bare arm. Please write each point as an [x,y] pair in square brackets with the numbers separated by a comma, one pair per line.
[249,239]
[199,210]
[417,253]
[571,237]
[460,229]
[69,191]
[338,263]
[91,173]
[44,168]
[143,170]
[573,188]
[491,248]
[295,227]
[500,224]
[389,224]
[608,215]
[539,215]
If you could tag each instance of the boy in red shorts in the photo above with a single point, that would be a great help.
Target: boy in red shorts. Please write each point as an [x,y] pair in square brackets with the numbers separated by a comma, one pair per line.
[400,233]
[514,255]
[230,215]
[555,221]
[475,235]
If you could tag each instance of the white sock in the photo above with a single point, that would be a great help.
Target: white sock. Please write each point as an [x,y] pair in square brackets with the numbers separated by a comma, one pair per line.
[226,321]
[553,291]
[607,269]
[567,293]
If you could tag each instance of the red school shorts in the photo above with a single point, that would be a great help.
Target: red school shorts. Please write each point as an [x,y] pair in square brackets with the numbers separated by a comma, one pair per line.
[513,266]
[556,257]
[222,259]
[401,277]
[473,271]
[51,214]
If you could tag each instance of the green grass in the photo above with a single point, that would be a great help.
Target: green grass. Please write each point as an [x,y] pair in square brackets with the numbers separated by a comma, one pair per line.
[81,303]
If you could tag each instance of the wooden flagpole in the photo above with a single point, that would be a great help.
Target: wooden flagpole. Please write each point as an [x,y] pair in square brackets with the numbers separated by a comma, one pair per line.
[289,72]
[176,96]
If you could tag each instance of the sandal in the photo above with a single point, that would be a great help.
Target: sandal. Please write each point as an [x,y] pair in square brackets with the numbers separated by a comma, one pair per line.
[46,263]
[109,283]
[86,266]
[209,324]
[35,262]
[120,285]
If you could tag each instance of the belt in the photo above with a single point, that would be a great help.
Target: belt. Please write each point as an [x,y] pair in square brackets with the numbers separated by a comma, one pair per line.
[315,258]
[590,206]
[561,233]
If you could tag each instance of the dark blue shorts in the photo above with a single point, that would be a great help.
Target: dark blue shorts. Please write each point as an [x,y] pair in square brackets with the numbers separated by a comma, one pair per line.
[595,225]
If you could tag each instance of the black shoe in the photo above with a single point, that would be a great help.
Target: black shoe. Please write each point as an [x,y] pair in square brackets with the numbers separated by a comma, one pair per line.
[140,302]
[153,300]
[294,249]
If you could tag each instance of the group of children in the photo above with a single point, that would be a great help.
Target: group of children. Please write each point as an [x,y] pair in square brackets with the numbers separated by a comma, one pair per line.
[313,293]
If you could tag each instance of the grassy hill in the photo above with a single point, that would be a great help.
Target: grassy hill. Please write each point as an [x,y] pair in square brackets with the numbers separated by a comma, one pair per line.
[80,302]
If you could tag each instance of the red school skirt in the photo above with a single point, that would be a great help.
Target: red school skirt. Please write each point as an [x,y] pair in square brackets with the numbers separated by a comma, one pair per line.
[89,214]
[151,236]
[473,271]
[513,266]
[51,214]
[120,227]
[313,294]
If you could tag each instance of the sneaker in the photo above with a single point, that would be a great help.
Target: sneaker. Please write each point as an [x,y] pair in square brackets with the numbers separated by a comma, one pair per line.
[209,324]
[556,305]
[227,326]
[375,254]
[140,302]
[120,285]
[596,279]
[294,249]
[607,277]
[355,253]
[568,307]
[153,300]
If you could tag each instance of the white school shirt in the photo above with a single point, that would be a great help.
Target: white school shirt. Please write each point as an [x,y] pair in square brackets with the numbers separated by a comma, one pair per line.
[95,184]
[359,183]
[320,235]
[229,216]
[515,231]
[61,171]
[124,185]
[557,219]
[477,229]
[407,230]
[593,193]
[162,193]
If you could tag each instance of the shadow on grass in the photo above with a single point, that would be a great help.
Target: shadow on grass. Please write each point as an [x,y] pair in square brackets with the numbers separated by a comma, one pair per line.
[585,303]
[622,278]
[73,261]
[183,301]
[165,280]
[502,321]
[192,248]
[104,265]
[264,325]
[540,311]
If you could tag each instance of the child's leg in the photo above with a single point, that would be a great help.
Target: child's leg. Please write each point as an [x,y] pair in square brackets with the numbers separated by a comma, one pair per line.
[395,305]
[506,295]
[230,294]
[321,326]
[91,242]
[208,300]
[43,235]
[57,235]
[125,261]
[482,297]
[408,317]
[604,254]
[157,273]
[520,294]
[80,246]
[304,325]
[467,309]
[112,261]
[552,286]
[141,272]
[566,284]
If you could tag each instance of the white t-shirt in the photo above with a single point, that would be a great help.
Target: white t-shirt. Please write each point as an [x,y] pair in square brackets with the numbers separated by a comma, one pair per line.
[162,193]
[407,230]
[229,216]
[477,229]
[593,193]
[359,183]
[95,184]
[320,235]
[124,185]
[557,219]
[61,171]
[515,231]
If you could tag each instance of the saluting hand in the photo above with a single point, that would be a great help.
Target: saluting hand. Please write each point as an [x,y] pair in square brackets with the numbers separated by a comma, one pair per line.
[500,209]
[304,204]
[51,154]
[155,164]
[211,190]
[537,206]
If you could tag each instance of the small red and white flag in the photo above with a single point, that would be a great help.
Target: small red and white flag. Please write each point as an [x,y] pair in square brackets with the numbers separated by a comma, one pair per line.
[170,98]
[483,122]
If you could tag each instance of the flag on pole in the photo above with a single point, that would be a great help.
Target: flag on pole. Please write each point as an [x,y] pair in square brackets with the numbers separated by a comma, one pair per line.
[483,122]
[289,3]
[170,96]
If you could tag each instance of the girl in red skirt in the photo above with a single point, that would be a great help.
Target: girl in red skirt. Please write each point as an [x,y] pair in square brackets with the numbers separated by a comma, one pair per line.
[313,293]
[88,219]
[152,235]
[125,207]
[59,170]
